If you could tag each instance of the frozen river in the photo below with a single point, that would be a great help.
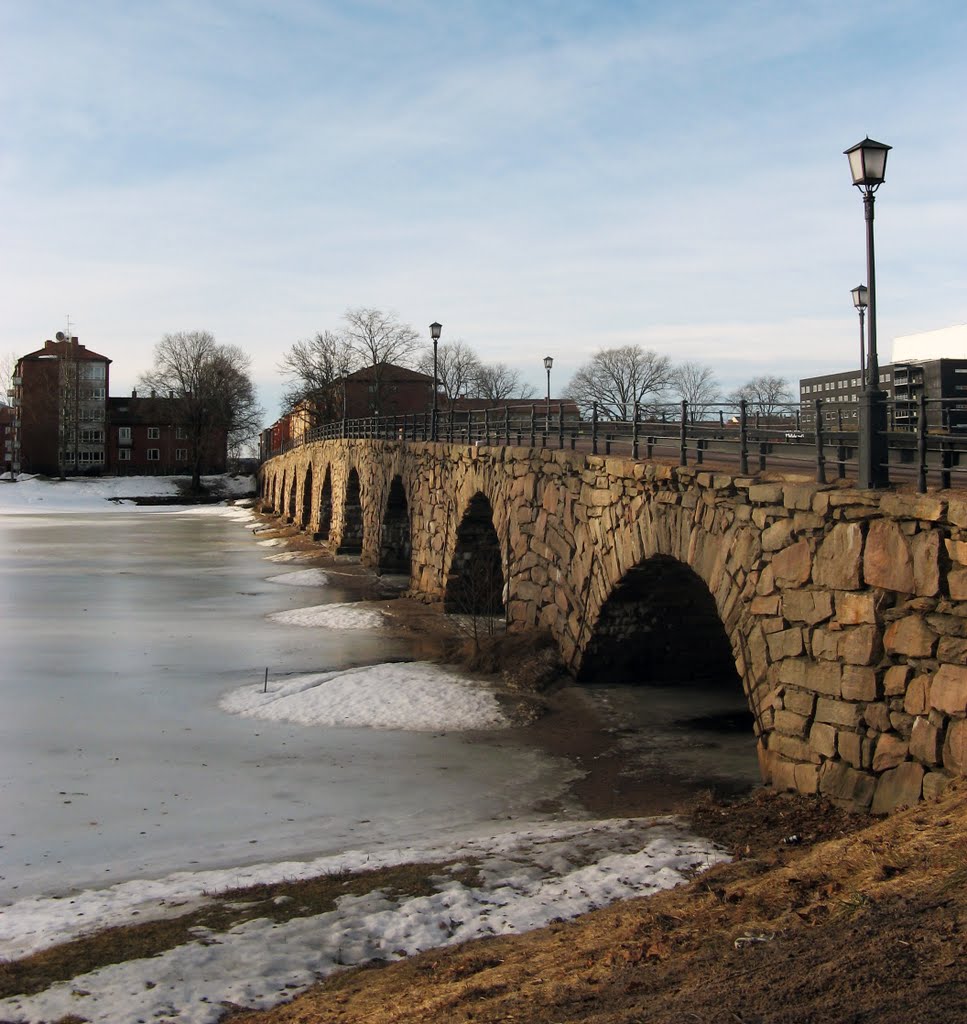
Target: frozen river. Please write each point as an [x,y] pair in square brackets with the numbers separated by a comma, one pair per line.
[121,631]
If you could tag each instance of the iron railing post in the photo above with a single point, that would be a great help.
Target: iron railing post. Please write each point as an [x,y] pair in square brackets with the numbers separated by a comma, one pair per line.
[743,437]
[594,428]
[921,443]
[683,436]
[820,454]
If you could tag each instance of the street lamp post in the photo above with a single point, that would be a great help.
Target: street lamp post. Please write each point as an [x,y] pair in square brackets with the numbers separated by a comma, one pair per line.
[435,330]
[867,164]
[548,363]
[861,299]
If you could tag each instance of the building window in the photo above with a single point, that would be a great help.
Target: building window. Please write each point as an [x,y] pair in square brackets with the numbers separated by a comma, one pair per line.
[181,455]
[181,433]
[92,436]
[154,455]
[124,435]
[124,455]
[93,458]
[154,433]
[93,371]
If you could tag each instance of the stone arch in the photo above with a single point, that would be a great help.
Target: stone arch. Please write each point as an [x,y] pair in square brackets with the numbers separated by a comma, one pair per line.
[659,624]
[352,517]
[306,517]
[475,582]
[290,500]
[325,507]
[278,502]
[395,541]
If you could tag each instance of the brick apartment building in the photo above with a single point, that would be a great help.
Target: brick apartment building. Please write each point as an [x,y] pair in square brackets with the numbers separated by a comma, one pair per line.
[64,423]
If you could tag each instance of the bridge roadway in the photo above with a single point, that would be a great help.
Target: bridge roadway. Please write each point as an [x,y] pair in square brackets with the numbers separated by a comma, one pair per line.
[841,613]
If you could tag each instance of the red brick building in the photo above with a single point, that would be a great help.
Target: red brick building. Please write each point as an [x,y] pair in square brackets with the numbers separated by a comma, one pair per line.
[60,409]
[143,439]
[64,423]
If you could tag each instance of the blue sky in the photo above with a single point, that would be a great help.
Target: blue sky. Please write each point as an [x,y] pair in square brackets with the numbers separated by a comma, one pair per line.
[542,178]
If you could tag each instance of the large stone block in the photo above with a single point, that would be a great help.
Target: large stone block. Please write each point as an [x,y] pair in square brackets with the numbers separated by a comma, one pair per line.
[860,645]
[900,787]
[790,724]
[822,738]
[926,568]
[777,536]
[793,565]
[925,742]
[838,712]
[785,644]
[809,606]
[948,692]
[859,683]
[838,558]
[887,560]
[853,609]
[916,701]
[912,506]
[846,786]
[955,747]
[890,751]
[910,636]
[953,650]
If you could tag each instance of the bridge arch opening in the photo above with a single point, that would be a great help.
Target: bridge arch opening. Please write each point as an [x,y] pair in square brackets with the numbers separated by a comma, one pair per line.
[667,674]
[325,507]
[290,509]
[352,530]
[660,625]
[475,584]
[396,544]
[278,503]
[306,518]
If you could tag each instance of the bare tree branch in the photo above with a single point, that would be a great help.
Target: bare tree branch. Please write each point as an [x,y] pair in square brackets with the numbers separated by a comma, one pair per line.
[766,393]
[458,367]
[617,379]
[497,382]
[210,389]
[696,384]
[313,369]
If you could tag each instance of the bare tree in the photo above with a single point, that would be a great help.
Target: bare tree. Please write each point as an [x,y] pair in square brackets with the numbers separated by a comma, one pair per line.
[766,393]
[497,382]
[314,369]
[211,393]
[458,367]
[696,384]
[379,339]
[618,379]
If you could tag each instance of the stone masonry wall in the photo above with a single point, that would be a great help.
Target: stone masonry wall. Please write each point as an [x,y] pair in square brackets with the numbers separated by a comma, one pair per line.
[846,610]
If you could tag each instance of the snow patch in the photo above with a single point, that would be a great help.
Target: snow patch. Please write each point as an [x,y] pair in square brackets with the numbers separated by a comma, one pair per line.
[417,696]
[302,578]
[331,616]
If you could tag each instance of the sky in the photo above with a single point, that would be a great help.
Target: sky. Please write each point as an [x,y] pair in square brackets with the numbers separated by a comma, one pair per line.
[543,178]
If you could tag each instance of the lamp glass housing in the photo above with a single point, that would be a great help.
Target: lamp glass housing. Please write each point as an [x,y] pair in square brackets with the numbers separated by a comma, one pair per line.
[435,330]
[548,362]
[867,162]
[861,296]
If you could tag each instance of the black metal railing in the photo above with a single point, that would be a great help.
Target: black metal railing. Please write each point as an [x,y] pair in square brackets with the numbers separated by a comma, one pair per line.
[926,439]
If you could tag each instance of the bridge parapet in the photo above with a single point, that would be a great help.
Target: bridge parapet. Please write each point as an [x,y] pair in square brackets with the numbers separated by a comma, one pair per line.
[845,611]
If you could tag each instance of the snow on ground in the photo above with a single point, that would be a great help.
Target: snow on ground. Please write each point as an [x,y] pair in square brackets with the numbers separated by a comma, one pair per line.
[101,494]
[302,578]
[526,878]
[289,556]
[417,696]
[331,616]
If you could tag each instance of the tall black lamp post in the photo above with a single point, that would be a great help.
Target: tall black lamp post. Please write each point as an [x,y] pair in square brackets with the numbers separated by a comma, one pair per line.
[867,164]
[548,363]
[435,330]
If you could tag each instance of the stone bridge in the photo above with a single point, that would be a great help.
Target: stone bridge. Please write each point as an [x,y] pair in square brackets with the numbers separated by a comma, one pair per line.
[841,613]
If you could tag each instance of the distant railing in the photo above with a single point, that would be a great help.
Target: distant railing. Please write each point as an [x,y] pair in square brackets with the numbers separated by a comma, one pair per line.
[927,439]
